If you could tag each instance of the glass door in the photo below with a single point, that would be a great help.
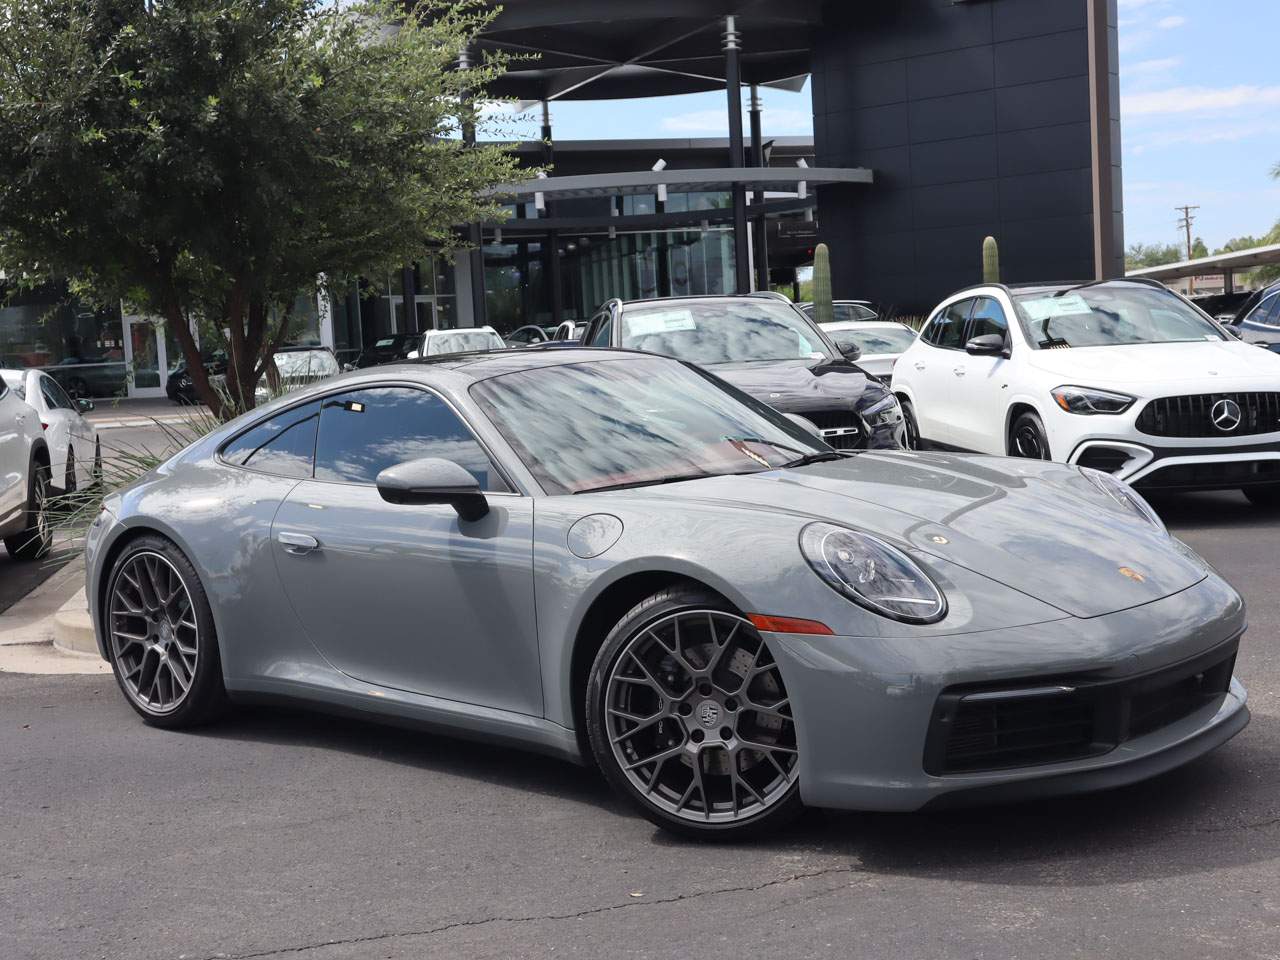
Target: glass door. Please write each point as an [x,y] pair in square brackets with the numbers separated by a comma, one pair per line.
[145,357]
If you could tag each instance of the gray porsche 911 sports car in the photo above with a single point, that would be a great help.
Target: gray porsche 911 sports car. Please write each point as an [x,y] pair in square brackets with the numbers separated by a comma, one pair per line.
[677,584]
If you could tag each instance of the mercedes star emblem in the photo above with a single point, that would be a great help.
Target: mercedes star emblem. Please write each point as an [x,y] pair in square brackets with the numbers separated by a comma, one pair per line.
[1226,415]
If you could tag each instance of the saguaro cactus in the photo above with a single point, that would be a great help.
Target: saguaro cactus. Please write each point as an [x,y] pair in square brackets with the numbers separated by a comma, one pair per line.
[823,310]
[990,261]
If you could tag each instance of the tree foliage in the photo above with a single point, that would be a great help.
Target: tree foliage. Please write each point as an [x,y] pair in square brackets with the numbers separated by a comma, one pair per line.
[206,160]
[1151,255]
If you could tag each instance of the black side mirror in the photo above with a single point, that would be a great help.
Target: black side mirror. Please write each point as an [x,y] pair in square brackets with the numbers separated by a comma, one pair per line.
[84,405]
[850,351]
[433,481]
[987,345]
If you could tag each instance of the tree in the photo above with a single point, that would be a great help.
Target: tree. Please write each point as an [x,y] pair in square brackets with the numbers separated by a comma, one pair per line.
[207,160]
[1258,276]
[1152,255]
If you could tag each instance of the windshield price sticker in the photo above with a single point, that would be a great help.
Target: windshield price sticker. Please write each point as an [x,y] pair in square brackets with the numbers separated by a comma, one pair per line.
[1046,308]
[660,321]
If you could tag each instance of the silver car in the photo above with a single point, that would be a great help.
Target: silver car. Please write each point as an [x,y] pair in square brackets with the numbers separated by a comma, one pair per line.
[676,584]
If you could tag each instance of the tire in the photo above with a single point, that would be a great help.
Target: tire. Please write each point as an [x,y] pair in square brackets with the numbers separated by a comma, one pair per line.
[69,480]
[145,636]
[1027,438]
[911,437]
[37,536]
[675,663]
[1265,495]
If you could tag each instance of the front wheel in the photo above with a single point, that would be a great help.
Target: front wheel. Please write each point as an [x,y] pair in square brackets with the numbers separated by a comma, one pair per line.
[689,719]
[911,429]
[160,636]
[1266,495]
[1027,438]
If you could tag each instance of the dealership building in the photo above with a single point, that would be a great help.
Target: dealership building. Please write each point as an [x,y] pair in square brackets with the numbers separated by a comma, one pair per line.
[936,123]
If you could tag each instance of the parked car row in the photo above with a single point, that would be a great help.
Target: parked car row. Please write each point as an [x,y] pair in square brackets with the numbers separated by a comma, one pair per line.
[47,449]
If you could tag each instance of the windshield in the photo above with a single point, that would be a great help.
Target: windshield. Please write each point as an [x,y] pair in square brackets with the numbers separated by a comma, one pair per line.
[872,342]
[611,423]
[727,331]
[305,363]
[463,341]
[1111,315]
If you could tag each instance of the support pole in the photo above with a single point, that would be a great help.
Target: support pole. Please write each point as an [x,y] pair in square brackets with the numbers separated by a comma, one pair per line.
[555,281]
[733,84]
[475,237]
[761,223]
[1228,281]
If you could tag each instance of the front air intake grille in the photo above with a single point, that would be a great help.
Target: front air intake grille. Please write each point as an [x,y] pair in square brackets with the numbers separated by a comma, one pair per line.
[1047,720]
[841,429]
[1212,415]
[1106,459]
[1222,474]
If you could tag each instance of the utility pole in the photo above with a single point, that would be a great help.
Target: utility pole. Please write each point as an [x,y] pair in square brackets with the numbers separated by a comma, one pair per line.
[1185,222]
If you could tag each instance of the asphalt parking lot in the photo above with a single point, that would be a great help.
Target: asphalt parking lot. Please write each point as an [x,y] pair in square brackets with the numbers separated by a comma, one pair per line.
[282,834]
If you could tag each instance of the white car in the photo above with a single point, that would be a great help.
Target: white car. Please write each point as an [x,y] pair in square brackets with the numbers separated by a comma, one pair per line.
[24,477]
[437,343]
[75,454]
[1123,376]
[844,311]
[879,342]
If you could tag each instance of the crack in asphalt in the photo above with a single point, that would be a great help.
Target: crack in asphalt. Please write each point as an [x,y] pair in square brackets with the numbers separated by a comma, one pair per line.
[576,915]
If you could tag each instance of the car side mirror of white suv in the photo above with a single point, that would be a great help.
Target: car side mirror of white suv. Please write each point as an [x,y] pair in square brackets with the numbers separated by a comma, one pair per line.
[987,345]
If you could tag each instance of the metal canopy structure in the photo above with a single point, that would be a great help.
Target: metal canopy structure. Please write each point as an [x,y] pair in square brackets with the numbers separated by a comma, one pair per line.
[683,181]
[1224,263]
[619,49]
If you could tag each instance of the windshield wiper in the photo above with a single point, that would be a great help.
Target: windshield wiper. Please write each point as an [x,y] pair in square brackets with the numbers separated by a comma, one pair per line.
[677,478]
[809,458]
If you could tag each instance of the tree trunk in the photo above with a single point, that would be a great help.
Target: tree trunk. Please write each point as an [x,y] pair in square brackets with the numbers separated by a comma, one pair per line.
[177,322]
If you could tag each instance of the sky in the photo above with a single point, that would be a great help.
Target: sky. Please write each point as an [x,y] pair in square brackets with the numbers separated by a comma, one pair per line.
[1200,113]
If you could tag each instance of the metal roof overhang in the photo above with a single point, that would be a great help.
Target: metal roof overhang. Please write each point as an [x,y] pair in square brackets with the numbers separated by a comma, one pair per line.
[614,49]
[642,223]
[683,181]
[1221,263]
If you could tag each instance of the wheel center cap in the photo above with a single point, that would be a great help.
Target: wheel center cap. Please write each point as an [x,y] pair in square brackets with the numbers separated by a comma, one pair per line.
[166,633]
[708,713]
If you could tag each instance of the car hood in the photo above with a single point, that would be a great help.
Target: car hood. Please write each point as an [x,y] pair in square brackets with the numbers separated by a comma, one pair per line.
[1041,528]
[1142,363]
[794,386]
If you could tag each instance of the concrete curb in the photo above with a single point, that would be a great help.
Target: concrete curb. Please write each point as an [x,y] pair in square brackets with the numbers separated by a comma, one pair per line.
[36,637]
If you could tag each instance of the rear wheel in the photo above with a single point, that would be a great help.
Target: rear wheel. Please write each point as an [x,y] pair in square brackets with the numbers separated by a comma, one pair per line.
[1265,495]
[37,537]
[1027,438]
[160,636]
[689,719]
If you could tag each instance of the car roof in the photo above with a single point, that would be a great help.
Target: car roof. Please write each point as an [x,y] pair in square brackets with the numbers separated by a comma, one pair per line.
[842,325]
[705,298]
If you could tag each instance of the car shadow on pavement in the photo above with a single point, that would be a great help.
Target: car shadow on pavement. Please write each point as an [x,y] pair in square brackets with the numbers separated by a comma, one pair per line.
[1222,810]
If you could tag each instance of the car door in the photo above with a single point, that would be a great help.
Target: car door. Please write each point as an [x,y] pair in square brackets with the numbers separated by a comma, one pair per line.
[980,390]
[930,371]
[79,433]
[411,597]
[57,427]
[15,460]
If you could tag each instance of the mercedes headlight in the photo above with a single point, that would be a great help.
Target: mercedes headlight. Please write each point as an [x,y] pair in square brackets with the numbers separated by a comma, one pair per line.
[883,412]
[1088,402]
[1125,495]
[871,573]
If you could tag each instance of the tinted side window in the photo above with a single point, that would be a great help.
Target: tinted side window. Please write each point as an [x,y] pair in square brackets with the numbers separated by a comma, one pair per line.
[50,397]
[603,335]
[283,445]
[988,318]
[365,431]
[1267,312]
[947,328]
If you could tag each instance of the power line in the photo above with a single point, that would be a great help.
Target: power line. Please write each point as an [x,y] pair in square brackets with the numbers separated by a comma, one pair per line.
[1185,223]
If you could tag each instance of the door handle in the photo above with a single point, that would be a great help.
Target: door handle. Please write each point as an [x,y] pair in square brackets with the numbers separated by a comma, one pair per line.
[919,364]
[298,544]
[958,371]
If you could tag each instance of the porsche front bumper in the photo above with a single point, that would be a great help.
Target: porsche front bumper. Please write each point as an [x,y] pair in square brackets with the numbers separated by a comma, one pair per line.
[868,711]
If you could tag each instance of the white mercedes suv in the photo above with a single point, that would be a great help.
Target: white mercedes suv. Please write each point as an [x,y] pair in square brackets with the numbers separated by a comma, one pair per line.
[24,478]
[1124,376]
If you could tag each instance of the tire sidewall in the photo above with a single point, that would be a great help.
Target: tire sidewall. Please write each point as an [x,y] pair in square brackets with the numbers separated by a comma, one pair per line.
[638,619]
[1033,420]
[207,696]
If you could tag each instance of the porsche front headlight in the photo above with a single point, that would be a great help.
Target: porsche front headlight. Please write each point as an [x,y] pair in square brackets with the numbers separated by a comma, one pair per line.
[1125,495]
[872,573]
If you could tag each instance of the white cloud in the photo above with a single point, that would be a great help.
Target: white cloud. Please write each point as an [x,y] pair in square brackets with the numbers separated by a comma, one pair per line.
[1171,23]
[1198,100]
[1137,4]
[1148,67]
[776,122]
[1201,135]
